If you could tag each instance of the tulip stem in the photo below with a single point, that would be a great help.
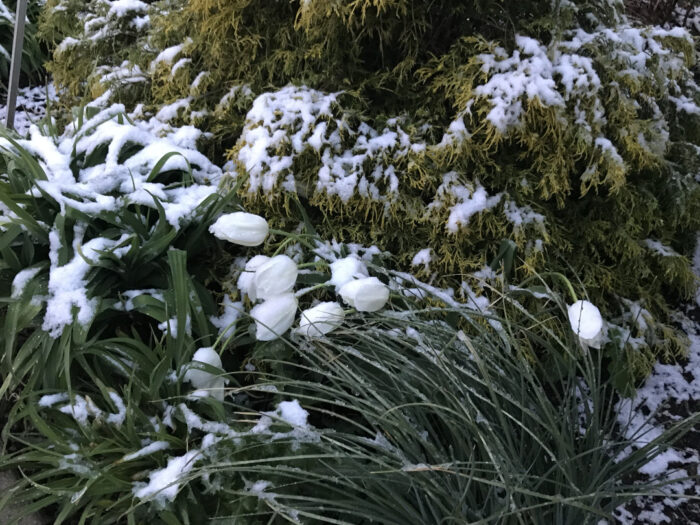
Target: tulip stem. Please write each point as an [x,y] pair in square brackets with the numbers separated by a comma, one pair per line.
[563,278]
[304,291]
[295,236]
[312,264]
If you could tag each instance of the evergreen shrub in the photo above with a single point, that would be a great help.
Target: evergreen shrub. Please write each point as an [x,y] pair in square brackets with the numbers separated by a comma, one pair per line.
[425,128]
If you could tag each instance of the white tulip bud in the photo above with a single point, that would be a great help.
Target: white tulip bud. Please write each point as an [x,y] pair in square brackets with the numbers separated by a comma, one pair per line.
[586,322]
[203,380]
[275,277]
[321,319]
[241,228]
[365,295]
[274,316]
[246,281]
[345,270]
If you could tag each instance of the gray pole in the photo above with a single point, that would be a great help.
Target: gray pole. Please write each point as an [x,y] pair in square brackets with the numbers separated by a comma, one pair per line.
[16,65]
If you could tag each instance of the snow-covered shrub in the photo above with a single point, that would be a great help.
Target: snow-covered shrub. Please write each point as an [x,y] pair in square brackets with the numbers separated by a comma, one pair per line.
[94,47]
[424,128]
[32,53]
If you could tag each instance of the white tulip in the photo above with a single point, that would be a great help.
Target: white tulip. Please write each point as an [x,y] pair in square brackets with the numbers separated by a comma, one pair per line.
[246,229]
[246,281]
[321,319]
[203,380]
[345,270]
[274,316]
[586,322]
[275,277]
[365,295]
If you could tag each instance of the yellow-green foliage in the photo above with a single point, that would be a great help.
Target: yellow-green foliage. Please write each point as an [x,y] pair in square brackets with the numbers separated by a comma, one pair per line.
[443,125]
[98,47]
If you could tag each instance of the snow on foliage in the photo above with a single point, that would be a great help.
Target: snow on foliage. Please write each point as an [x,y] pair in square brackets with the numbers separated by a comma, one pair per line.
[463,200]
[529,73]
[164,483]
[103,166]
[284,124]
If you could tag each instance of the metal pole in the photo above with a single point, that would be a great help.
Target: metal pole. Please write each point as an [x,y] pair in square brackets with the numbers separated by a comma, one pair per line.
[16,65]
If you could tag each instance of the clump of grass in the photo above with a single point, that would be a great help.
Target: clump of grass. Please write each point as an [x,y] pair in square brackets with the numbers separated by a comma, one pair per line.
[410,421]
[427,425]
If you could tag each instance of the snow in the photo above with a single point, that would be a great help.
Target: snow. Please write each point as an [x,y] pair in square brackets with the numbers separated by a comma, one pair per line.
[696,266]
[530,73]
[561,76]
[258,489]
[347,269]
[291,412]
[199,79]
[660,248]
[180,64]
[463,201]
[422,258]
[168,55]
[609,149]
[164,483]
[128,296]
[30,106]
[170,326]
[122,75]
[519,216]
[81,409]
[51,399]
[121,8]
[193,421]
[67,285]
[118,417]
[75,463]
[169,112]
[22,279]
[113,184]
[226,322]
[644,417]
[156,446]
[296,119]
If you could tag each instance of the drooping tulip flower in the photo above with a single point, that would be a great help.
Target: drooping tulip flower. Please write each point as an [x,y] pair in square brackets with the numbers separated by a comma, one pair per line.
[203,380]
[365,295]
[321,319]
[245,229]
[246,281]
[586,322]
[347,269]
[274,316]
[275,277]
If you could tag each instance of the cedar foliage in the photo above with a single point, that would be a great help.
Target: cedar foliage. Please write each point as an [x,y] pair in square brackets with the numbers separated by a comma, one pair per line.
[575,130]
